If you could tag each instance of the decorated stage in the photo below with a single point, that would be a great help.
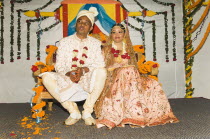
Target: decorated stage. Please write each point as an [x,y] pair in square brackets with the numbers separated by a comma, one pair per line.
[16,122]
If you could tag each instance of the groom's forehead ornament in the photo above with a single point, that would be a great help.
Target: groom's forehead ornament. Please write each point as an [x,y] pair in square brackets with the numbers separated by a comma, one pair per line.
[91,14]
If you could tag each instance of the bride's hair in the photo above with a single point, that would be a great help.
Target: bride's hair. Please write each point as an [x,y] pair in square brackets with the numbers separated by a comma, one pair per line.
[119,25]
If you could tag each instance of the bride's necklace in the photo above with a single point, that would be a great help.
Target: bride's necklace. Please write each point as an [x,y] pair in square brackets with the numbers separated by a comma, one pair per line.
[116,52]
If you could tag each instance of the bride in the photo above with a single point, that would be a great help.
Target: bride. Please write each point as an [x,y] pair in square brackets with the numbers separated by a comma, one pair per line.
[128,97]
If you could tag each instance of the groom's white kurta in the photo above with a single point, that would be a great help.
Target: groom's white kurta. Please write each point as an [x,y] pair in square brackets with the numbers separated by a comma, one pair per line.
[66,89]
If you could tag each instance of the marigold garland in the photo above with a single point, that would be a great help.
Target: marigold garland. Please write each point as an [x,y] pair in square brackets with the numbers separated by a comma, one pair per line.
[190,10]
[189,7]
[205,13]
[37,68]
[201,43]
[51,50]
[38,106]
[38,90]
[39,114]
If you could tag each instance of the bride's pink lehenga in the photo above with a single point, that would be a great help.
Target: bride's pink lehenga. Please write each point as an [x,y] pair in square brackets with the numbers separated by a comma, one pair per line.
[129,98]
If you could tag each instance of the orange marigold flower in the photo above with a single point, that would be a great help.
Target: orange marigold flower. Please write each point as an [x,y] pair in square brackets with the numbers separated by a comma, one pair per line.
[38,106]
[40,114]
[138,48]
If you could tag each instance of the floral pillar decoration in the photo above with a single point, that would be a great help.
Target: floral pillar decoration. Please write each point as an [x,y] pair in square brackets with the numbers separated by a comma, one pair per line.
[190,8]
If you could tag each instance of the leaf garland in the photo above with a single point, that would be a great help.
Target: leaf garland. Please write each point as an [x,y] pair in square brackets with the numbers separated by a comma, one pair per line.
[19,11]
[154,40]
[137,29]
[154,32]
[12,31]
[142,32]
[173,25]
[166,34]
[2,33]
[19,35]
[38,37]
[174,32]
[22,1]
[28,40]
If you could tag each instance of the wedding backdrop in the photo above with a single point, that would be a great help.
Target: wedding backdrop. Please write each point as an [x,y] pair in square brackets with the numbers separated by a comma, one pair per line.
[23,40]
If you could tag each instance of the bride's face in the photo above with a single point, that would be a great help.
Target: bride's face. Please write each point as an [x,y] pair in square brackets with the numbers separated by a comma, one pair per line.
[117,34]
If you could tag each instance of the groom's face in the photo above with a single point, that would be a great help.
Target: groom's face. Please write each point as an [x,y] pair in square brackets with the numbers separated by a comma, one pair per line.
[83,26]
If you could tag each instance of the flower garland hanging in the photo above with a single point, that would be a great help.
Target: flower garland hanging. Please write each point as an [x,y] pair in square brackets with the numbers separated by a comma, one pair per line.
[19,34]
[39,33]
[154,31]
[173,25]
[2,33]
[39,39]
[12,31]
[19,11]
[154,40]
[166,34]
[137,29]
[28,40]
[22,1]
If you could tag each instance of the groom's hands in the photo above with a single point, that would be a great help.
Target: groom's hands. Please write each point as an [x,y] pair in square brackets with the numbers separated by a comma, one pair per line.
[75,75]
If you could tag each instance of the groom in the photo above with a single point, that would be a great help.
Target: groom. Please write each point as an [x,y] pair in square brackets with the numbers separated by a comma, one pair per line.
[80,72]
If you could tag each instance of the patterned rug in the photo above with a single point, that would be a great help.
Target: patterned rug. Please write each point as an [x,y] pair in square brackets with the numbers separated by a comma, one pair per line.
[16,123]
